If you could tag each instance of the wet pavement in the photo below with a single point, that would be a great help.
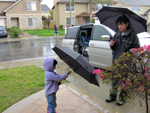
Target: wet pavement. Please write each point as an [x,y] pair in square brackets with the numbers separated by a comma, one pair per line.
[27,48]
[91,96]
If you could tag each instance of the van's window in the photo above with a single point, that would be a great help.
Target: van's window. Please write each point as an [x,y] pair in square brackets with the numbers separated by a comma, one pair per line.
[71,33]
[98,32]
[85,31]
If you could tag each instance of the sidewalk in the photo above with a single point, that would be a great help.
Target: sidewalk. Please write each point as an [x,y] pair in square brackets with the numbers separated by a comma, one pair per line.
[26,36]
[67,102]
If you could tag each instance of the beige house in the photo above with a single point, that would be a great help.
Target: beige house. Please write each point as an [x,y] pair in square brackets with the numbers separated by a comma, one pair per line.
[80,13]
[141,7]
[80,10]
[25,14]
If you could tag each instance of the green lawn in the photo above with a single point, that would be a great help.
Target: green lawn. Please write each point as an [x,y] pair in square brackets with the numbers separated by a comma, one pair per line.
[45,32]
[18,83]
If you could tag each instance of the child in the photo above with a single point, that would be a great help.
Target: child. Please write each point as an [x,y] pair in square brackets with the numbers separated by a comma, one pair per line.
[51,82]
[56,30]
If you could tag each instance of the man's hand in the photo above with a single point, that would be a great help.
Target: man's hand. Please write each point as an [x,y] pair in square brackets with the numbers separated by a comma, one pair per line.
[68,72]
[112,43]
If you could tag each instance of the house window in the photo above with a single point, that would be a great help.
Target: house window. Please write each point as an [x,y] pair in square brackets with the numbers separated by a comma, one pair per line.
[72,21]
[31,6]
[99,6]
[136,8]
[68,7]
[32,21]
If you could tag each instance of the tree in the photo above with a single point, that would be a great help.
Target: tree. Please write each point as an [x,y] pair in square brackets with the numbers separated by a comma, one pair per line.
[47,20]
[51,14]
[92,2]
[132,73]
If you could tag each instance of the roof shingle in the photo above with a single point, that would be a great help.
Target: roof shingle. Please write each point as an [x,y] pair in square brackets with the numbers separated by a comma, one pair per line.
[44,8]
[136,2]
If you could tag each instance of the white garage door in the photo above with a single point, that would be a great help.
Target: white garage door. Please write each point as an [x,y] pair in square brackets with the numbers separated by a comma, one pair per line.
[2,23]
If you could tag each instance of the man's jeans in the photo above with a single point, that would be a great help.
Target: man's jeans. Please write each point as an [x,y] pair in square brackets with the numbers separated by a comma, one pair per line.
[113,94]
[51,100]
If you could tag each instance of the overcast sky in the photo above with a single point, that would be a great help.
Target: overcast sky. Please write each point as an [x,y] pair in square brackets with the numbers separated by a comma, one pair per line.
[49,3]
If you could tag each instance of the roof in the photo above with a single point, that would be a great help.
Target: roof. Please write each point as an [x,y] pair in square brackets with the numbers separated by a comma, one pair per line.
[14,5]
[136,2]
[74,1]
[86,14]
[147,11]
[44,8]
[82,1]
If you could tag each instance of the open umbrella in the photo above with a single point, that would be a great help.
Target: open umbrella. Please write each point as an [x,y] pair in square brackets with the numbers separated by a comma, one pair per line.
[109,15]
[77,63]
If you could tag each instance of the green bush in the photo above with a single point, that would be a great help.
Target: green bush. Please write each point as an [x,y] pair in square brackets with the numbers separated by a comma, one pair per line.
[61,26]
[43,17]
[93,20]
[14,31]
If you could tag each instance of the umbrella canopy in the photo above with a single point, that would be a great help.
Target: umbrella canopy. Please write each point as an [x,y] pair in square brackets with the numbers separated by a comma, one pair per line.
[109,15]
[77,63]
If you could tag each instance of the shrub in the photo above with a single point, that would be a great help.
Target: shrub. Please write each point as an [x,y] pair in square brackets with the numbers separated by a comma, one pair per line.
[132,73]
[43,17]
[61,26]
[93,20]
[15,31]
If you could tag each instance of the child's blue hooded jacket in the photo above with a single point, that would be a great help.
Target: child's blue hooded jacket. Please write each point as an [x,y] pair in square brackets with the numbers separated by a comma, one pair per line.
[51,77]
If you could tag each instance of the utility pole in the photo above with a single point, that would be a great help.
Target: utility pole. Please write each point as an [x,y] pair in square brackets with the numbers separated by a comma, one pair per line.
[70,13]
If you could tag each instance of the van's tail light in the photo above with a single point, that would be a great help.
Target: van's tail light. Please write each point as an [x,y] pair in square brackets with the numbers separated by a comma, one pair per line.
[5,32]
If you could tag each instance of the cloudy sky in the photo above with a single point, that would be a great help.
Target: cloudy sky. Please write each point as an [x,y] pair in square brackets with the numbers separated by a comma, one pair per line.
[49,3]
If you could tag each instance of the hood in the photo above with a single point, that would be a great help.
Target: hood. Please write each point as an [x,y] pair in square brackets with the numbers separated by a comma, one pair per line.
[48,64]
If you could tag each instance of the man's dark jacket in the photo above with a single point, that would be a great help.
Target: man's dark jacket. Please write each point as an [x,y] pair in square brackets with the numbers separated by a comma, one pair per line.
[124,43]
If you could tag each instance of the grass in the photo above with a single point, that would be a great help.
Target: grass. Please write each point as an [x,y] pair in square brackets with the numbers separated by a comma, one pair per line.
[18,83]
[45,32]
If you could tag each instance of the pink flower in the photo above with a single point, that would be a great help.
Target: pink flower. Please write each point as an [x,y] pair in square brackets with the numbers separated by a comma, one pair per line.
[97,71]
[147,48]
[122,86]
[134,50]
[146,89]
[141,48]
[145,75]
[127,80]
[128,83]
[146,69]
[122,53]
[101,76]
[148,77]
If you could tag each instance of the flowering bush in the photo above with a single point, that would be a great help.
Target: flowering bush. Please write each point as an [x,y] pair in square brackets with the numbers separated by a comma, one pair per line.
[132,73]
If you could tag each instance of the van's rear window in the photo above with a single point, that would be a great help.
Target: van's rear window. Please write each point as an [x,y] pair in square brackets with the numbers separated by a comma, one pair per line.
[71,33]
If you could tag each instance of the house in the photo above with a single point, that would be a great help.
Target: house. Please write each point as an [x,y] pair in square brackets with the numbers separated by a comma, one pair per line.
[25,14]
[80,13]
[141,7]
[45,10]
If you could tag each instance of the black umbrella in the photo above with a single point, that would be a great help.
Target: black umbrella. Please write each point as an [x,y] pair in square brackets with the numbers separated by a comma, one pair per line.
[109,15]
[79,64]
